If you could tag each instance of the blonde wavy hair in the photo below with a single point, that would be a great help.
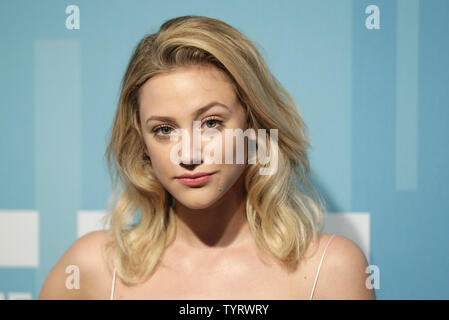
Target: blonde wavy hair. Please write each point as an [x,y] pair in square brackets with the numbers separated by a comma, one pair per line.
[284,216]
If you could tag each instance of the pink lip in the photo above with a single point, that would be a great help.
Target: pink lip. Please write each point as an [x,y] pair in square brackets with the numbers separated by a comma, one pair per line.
[193,182]
[196,175]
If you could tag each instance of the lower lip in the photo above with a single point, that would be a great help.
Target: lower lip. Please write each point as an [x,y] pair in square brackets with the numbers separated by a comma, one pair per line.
[195,182]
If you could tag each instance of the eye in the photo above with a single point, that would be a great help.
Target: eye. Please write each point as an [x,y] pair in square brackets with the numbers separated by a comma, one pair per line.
[163,131]
[214,122]
[162,128]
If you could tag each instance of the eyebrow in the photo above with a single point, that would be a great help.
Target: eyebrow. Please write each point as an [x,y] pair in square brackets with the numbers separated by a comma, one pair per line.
[196,113]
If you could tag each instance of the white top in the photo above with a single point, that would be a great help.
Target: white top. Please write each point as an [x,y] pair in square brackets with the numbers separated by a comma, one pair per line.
[314,283]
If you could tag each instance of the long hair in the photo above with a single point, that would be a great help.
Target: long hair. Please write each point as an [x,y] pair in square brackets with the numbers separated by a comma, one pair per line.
[283,210]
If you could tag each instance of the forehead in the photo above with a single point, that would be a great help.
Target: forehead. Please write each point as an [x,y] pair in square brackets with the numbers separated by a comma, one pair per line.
[186,87]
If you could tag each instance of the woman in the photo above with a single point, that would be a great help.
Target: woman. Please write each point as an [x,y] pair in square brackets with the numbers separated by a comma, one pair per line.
[233,233]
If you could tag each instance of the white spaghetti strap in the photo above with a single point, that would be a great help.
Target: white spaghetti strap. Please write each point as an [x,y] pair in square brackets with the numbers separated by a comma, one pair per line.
[319,267]
[113,286]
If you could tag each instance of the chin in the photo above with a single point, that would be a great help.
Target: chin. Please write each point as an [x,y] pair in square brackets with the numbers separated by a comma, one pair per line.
[196,199]
[197,205]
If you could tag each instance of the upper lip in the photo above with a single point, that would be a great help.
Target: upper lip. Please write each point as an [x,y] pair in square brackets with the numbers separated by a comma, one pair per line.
[195,175]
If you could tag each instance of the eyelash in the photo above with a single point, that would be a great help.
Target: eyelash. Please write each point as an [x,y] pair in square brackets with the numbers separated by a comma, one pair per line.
[158,128]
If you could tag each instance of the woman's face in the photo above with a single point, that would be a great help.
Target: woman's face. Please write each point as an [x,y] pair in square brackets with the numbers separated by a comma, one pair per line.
[178,97]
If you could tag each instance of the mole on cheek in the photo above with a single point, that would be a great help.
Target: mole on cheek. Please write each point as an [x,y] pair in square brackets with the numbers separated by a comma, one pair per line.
[220,187]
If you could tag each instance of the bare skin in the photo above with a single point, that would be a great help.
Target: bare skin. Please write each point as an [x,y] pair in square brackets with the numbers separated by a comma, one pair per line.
[237,273]
[228,274]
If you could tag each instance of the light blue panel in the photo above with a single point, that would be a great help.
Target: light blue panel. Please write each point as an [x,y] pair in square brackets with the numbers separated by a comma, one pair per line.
[16,111]
[407,95]
[104,61]
[373,139]
[430,216]
[57,90]
[409,237]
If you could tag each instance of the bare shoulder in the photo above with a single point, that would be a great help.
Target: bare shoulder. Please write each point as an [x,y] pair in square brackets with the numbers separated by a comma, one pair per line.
[342,274]
[83,272]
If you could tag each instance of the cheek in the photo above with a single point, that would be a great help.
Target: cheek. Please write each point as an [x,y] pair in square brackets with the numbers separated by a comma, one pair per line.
[220,186]
[230,174]
[236,146]
[231,171]
[160,159]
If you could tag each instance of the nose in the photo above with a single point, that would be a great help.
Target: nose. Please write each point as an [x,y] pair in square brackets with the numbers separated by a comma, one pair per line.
[191,146]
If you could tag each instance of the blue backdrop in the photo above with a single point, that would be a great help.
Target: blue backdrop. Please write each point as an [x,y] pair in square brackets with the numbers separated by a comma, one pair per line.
[371,83]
